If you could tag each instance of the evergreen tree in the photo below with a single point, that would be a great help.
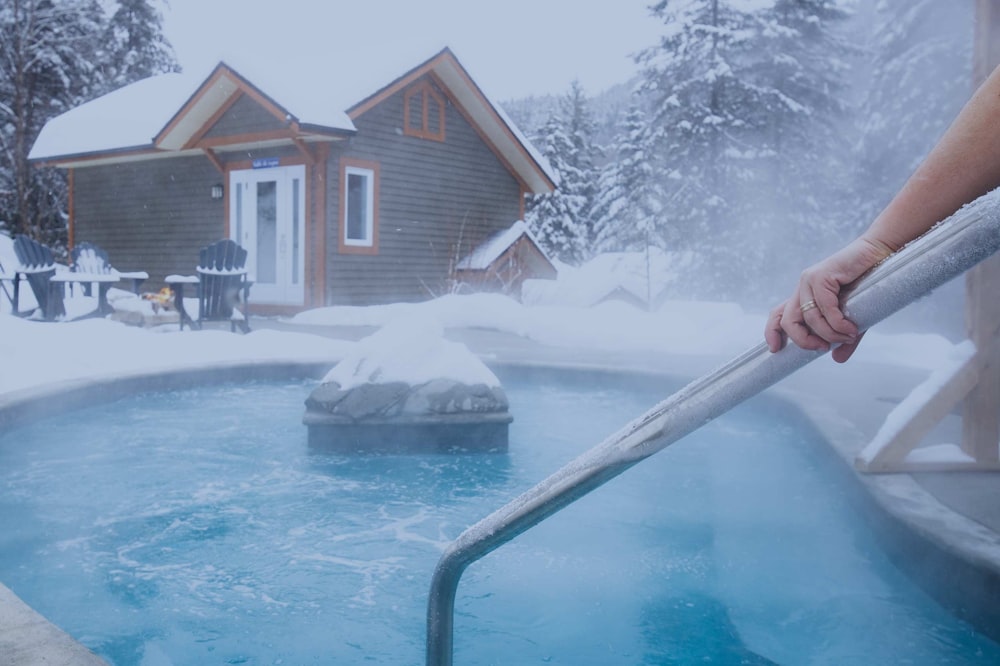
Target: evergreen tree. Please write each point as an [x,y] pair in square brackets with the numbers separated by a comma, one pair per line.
[629,212]
[921,55]
[580,180]
[136,45]
[555,218]
[46,54]
[48,51]
[747,103]
[802,171]
[705,106]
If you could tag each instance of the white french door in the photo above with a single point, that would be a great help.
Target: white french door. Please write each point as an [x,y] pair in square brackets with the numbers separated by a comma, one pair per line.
[267,217]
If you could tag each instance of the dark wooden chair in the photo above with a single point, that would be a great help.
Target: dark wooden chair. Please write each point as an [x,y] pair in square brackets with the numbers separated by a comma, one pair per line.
[6,277]
[223,287]
[38,267]
[91,266]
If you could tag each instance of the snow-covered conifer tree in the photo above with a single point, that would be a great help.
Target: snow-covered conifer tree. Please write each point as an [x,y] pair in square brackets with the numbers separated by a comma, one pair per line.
[805,144]
[53,55]
[564,220]
[580,180]
[46,66]
[744,97]
[921,77]
[135,43]
[556,218]
[706,108]
[629,208]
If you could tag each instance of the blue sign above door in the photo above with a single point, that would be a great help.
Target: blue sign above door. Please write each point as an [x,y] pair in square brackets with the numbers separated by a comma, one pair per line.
[265,162]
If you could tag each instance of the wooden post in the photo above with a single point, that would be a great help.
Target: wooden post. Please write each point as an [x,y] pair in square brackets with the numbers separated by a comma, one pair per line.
[981,410]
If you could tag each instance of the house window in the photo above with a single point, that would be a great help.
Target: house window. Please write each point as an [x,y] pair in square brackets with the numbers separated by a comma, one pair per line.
[423,112]
[359,207]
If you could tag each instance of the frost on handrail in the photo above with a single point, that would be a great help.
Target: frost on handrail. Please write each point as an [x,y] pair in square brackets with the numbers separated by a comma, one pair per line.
[946,251]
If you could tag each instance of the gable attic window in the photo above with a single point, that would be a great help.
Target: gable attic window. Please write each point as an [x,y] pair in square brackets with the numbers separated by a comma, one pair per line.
[358,207]
[423,112]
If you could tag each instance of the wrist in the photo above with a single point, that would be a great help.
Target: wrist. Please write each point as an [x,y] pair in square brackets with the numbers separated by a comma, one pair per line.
[878,249]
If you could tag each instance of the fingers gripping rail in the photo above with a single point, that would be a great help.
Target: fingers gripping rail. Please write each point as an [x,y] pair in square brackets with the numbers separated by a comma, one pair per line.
[946,251]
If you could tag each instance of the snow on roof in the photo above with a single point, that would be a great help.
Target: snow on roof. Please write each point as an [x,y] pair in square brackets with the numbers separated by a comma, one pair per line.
[484,255]
[315,97]
[601,276]
[411,350]
[540,159]
[134,116]
[129,117]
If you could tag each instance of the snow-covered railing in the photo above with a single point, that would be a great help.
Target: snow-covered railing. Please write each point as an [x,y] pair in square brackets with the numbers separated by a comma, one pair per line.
[946,251]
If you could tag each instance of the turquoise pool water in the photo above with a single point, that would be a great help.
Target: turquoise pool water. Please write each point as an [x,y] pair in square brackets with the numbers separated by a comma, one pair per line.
[196,527]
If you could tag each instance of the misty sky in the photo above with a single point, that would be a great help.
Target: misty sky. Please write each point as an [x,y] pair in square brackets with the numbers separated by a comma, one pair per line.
[514,48]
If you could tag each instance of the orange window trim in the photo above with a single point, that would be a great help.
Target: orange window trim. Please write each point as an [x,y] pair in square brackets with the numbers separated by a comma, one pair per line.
[317,230]
[425,93]
[71,208]
[342,246]
[244,165]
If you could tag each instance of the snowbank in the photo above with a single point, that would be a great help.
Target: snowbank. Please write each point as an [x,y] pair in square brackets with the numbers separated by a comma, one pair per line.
[36,353]
[33,353]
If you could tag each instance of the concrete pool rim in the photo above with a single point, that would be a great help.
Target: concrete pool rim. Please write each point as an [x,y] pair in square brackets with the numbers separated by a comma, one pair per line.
[921,536]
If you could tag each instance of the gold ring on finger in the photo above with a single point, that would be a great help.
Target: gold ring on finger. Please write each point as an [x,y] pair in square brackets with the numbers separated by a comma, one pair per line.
[807,306]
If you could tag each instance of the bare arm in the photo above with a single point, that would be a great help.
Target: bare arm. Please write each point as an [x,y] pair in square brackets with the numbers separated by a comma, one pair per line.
[964,165]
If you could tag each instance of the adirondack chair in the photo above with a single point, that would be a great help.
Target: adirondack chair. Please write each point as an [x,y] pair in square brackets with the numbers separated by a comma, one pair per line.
[6,277]
[223,287]
[38,267]
[91,266]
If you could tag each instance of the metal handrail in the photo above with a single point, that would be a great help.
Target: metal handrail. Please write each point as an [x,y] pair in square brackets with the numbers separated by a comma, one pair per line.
[946,251]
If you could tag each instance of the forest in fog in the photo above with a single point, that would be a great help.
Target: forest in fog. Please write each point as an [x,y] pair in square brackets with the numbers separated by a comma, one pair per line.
[754,138]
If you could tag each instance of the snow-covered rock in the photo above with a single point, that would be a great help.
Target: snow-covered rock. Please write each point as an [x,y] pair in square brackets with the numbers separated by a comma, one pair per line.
[406,388]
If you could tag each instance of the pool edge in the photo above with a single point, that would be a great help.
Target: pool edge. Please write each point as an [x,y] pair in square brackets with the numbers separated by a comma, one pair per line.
[953,558]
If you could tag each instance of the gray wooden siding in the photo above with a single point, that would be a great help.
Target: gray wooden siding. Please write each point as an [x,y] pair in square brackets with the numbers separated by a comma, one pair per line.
[150,216]
[244,117]
[438,200]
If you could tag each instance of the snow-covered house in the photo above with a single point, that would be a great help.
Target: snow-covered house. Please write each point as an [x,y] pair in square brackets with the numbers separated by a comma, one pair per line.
[504,262]
[339,196]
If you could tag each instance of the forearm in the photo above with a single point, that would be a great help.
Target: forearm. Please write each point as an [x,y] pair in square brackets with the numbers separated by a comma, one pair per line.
[964,165]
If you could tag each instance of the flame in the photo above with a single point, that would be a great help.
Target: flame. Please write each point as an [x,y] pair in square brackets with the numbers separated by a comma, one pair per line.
[164,298]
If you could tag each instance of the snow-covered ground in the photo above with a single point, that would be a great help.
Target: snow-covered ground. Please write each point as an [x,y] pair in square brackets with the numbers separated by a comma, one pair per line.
[562,315]
[34,353]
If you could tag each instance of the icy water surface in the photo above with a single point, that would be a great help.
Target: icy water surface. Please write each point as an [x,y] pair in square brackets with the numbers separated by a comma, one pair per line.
[197,527]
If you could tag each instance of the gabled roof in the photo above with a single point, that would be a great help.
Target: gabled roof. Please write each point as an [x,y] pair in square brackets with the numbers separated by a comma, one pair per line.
[486,254]
[161,115]
[496,127]
[165,115]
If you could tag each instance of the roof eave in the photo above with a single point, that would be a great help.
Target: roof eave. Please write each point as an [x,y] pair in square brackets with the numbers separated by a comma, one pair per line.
[74,159]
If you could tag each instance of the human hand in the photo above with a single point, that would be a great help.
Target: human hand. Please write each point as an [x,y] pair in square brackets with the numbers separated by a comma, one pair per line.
[812,317]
